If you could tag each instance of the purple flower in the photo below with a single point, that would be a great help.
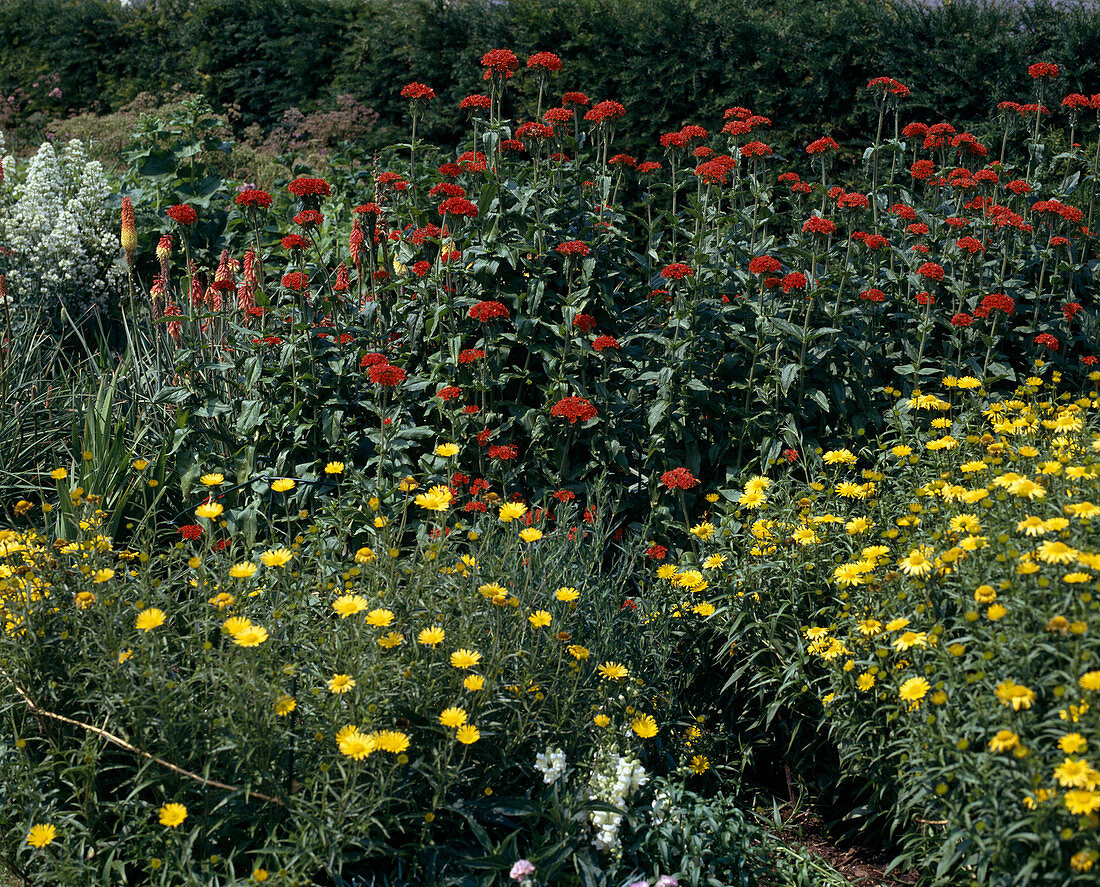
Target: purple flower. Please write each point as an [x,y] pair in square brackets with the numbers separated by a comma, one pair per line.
[521,870]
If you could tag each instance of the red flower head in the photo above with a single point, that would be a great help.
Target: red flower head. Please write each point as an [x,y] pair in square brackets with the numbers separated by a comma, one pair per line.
[486,311]
[922,170]
[573,248]
[673,140]
[930,271]
[1046,340]
[790,454]
[820,146]
[449,393]
[421,268]
[737,113]
[296,280]
[713,172]
[917,229]
[512,145]
[309,218]
[554,116]
[458,206]
[503,452]
[372,358]
[254,197]
[996,302]
[1089,360]
[623,160]
[817,225]
[765,265]
[1070,309]
[584,322]
[694,133]
[417,92]
[796,280]
[191,532]
[573,409]
[602,342]
[307,186]
[1077,102]
[915,130]
[476,103]
[531,130]
[875,241]
[853,200]
[676,271]
[970,245]
[447,189]
[656,552]
[544,61]
[648,166]
[678,479]
[961,320]
[925,299]
[469,355]
[386,374]
[604,112]
[576,98]
[343,281]
[873,295]
[889,86]
[182,214]
[499,63]
[789,177]
[756,149]
[1042,69]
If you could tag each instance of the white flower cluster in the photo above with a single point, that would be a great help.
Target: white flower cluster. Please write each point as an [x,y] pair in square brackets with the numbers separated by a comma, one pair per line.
[551,764]
[613,782]
[60,232]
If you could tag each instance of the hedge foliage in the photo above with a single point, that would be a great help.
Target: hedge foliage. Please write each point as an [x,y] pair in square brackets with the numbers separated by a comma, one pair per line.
[668,61]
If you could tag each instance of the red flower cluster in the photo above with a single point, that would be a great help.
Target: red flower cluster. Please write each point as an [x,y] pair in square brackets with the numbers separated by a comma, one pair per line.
[602,342]
[925,299]
[756,149]
[254,197]
[961,320]
[309,218]
[873,295]
[544,61]
[765,265]
[447,189]
[575,98]
[656,552]
[469,355]
[476,103]
[1070,309]
[182,214]
[922,170]
[296,241]
[503,452]
[996,302]
[888,85]
[605,111]
[678,479]
[853,200]
[796,280]
[499,62]
[372,358]
[621,159]
[584,322]
[486,311]
[308,186]
[296,280]
[930,271]
[1042,69]
[1056,207]
[449,393]
[386,374]
[573,248]
[458,206]
[676,271]
[417,92]
[817,225]
[1046,340]
[970,245]
[190,532]
[822,145]
[532,130]
[573,409]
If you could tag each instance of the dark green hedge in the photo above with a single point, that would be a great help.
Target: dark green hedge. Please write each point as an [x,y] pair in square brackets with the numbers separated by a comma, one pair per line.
[669,61]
